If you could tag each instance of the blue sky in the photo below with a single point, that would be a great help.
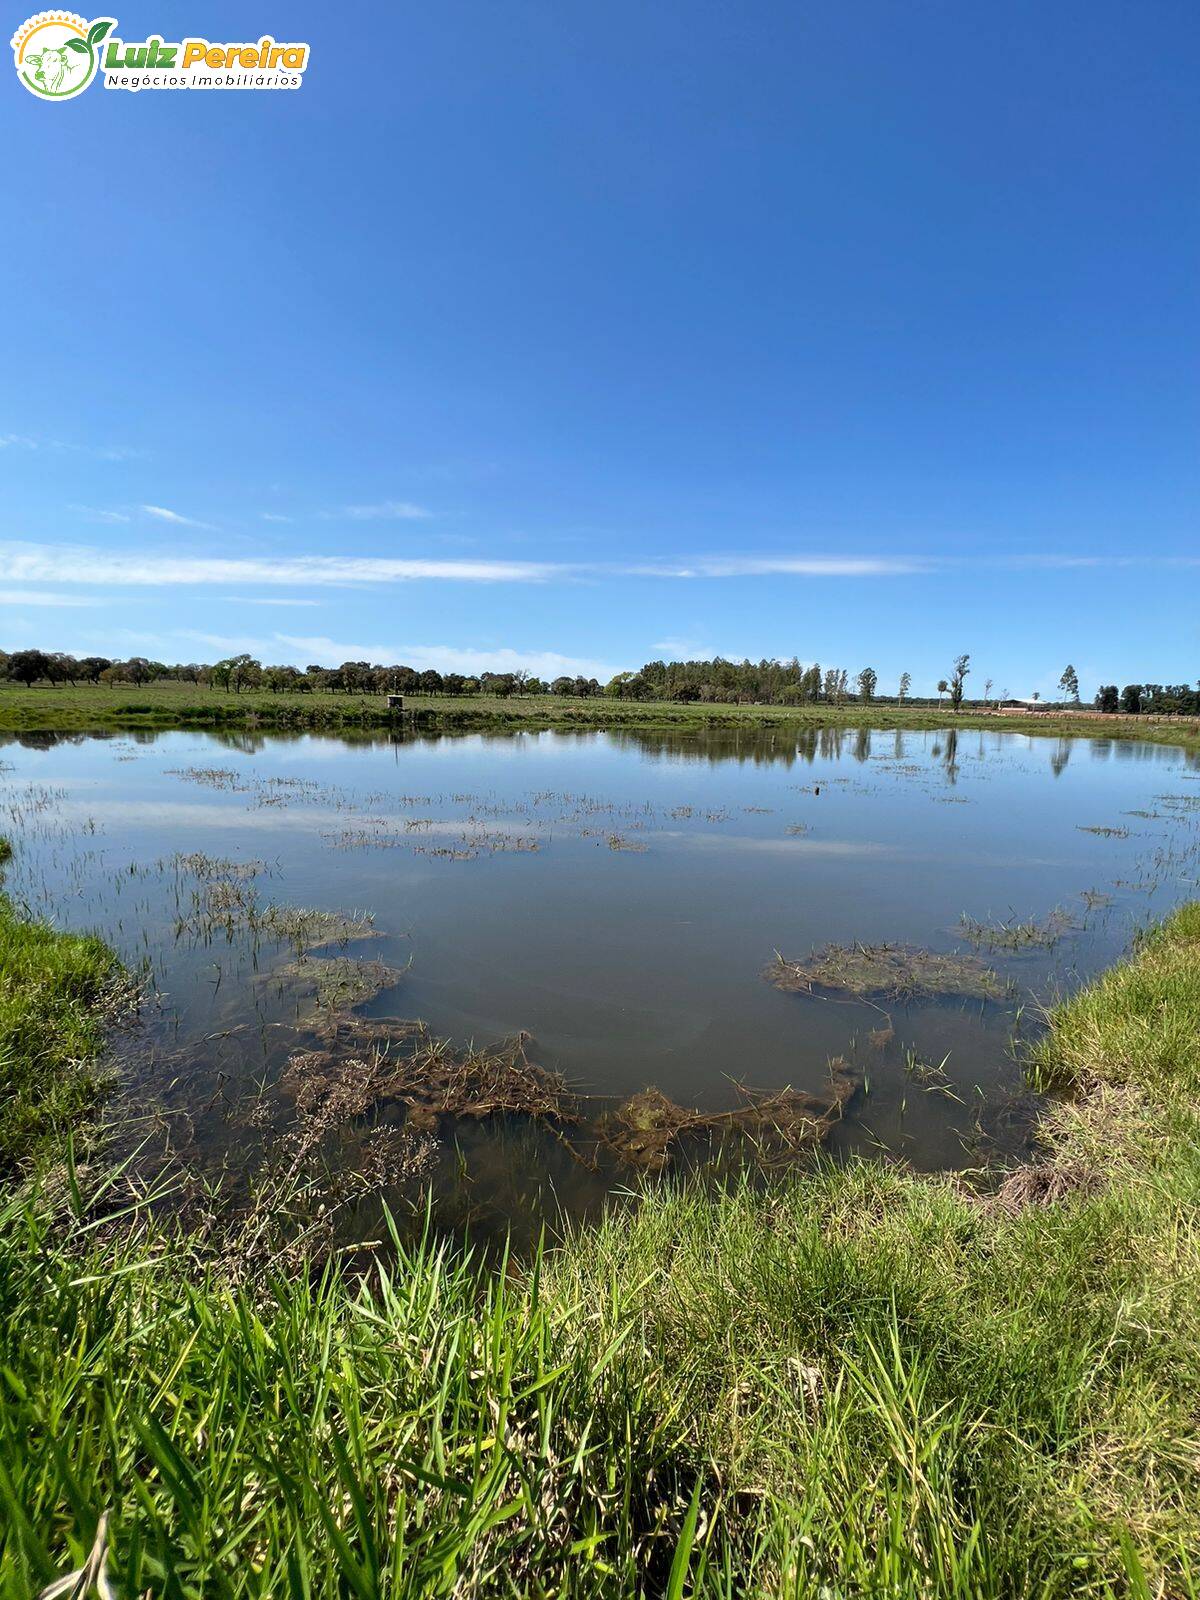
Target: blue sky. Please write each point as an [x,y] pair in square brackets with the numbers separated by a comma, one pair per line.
[569,336]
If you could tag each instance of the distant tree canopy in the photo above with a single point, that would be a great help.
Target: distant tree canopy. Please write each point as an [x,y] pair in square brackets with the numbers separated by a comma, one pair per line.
[746,682]
[1152,699]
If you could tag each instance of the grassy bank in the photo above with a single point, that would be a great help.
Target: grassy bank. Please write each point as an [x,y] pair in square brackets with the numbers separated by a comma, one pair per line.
[857,1383]
[181,705]
[54,990]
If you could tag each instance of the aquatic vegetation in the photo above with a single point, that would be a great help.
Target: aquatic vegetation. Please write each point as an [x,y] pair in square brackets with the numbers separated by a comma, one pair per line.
[644,1129]
[886,972]
[1105,833]
[336,983]
[1095,899]
[227,900]
[1014,935]
[201,865]
[313,928]
[208,777]
[392,1061]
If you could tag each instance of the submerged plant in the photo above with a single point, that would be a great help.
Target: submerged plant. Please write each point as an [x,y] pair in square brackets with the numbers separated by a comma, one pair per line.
[886,972]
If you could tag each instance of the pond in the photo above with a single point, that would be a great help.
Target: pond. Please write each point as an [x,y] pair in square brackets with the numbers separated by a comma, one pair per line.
[577,918]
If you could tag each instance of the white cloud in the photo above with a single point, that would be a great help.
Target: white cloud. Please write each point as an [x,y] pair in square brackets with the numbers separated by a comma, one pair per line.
[782,566]
[320,650]
[37,563]
[25,561]
[109,452]
[164,514]
[265,600]
[684,649]
[61,563]
[101,452]
[385,511]
[43,597]
[273,516]
[100,514]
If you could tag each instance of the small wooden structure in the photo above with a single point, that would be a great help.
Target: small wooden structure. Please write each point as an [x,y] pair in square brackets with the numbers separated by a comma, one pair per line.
[399,712]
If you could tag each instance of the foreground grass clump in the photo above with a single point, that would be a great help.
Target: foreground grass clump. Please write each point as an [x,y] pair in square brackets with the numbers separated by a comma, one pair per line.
[855,1383]
[53,987]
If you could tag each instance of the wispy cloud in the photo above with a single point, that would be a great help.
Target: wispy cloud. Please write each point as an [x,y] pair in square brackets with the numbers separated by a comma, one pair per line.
[43,597]
[684,649]
[28,562]
[778,566]
[99,452]
[384,511]
[60,563]
[323,651]
[165,514]
[265,600]
[273,516]
[109,452]
[100,514]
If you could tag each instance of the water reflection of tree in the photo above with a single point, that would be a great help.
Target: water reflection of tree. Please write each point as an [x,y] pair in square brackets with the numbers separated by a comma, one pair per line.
[1060,756]
[862,745]
[950,755]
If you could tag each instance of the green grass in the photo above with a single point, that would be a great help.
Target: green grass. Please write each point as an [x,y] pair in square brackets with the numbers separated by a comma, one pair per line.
[855,1383]
[53,990]
[173,705]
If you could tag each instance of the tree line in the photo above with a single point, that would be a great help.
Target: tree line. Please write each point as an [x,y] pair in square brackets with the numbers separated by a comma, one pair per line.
[237,673]
[766,682]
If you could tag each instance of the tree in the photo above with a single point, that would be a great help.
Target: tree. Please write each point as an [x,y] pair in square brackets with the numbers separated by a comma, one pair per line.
[905,686]
[63,668]
[958,679]
[1069,683]
[498,683]
[1131,698]
[236,672]
[27,666]
[987,691]
[1107,698]
[943,688]
[867,680]
[354,677]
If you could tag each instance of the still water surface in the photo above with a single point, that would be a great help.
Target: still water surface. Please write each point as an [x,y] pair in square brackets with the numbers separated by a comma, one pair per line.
[616,897]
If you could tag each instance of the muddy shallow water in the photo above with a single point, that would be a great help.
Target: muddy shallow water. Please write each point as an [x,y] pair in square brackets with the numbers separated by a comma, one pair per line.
[617,899]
